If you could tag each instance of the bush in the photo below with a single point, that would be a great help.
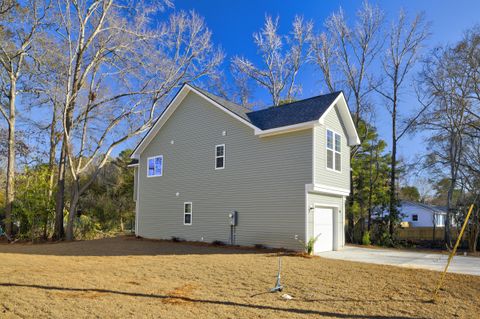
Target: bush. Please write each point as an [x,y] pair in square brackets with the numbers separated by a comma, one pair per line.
[385,240]
[218,243]
[366,239]
[87,228]
[177,239]
[260,246]
[309,245]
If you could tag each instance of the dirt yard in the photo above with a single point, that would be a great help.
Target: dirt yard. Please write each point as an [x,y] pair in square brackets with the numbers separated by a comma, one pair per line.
[127,277]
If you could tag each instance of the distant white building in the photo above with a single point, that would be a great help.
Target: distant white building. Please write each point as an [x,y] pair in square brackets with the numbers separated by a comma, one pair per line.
[415,214]
[422,215]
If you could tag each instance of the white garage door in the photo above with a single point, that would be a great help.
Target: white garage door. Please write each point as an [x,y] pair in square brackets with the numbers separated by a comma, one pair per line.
[323,228]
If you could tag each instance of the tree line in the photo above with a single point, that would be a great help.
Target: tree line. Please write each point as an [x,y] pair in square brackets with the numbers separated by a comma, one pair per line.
[82,77]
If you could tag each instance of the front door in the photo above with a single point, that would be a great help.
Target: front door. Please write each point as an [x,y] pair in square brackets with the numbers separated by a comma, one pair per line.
[323,228]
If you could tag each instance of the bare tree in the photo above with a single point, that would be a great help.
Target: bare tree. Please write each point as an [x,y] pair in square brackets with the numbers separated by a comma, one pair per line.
[19,27]
[282,57]
[119,71]
[344,54]
[405,42]
[445,97]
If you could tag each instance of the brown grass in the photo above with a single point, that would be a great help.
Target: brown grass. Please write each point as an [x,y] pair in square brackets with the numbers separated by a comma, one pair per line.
[131,278]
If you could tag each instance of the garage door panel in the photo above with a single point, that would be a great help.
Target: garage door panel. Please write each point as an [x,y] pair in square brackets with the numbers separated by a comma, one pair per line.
[323,228]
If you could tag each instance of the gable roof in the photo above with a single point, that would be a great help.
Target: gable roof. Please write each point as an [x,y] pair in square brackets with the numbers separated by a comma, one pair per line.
[428,208]
[233,107]
[293,113]
[272,120]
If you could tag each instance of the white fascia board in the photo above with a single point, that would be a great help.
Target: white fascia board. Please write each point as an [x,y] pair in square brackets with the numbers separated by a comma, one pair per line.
[325,189]
[352,138]
[285,129]
[171,107]
[133,165]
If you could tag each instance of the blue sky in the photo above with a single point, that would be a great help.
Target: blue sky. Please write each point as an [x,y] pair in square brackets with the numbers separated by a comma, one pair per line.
[234,22]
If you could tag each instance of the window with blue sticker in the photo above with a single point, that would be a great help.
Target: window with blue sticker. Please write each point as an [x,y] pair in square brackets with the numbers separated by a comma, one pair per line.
[155,166]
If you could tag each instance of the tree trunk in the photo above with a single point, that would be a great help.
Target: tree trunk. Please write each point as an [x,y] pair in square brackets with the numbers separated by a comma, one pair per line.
[51,169]
[10,187]
[474,232]
[75,193]
[393,198]
[60,196]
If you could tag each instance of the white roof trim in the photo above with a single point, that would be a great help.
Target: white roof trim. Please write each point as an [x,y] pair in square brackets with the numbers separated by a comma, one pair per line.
[325,189]
[133,165]
[353,138]
[171,107]
[285,129]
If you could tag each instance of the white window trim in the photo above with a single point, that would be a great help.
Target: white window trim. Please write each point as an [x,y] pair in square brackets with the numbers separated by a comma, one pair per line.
[224,156]
[191,213]
[148,168]
[334,151]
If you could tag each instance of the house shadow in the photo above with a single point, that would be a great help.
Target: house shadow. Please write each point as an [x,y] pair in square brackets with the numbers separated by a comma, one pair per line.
[290,309]
[128,246]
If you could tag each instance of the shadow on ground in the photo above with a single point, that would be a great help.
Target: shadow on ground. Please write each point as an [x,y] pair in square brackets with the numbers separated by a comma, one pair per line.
[125,246]
[203,301]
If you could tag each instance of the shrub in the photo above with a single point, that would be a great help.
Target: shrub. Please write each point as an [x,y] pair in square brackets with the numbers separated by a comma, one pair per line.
[177,239]
[366,239]
[87,228]
[218,243]
[260,246]
[309,245]
[386,240]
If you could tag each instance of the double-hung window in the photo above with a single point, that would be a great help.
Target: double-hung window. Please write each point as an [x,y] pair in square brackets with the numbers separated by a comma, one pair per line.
[334,151]
[220,156]
[187,213]
[155,166]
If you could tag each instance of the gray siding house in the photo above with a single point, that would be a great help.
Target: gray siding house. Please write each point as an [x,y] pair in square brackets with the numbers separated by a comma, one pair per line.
[212,170]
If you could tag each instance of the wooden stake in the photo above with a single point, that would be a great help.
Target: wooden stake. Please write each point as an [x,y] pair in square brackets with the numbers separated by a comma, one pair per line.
[452,253]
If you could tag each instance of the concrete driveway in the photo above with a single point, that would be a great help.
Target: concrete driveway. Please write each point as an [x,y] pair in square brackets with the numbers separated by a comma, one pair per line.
[402,258]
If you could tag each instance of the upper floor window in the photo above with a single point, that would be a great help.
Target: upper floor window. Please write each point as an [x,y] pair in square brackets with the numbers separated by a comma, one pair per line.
[415,218]
[334,151]
[220,156]
[155,166]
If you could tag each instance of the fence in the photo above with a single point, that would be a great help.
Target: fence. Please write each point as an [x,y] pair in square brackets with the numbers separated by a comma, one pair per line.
[423,233]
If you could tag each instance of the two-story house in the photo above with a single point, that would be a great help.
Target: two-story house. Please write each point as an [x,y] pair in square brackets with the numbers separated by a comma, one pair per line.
[210,170]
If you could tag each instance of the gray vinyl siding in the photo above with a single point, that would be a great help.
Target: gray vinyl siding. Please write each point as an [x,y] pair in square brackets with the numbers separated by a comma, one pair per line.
[322,175]
[264,180]
[135,183]
[337,202]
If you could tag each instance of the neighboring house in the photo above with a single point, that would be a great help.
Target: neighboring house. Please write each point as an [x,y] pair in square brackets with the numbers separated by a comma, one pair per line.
[415,214]
[212,170]
[422,215]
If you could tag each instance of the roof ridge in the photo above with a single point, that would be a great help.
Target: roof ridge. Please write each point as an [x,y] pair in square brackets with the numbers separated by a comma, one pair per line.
[290,103]
[219,97]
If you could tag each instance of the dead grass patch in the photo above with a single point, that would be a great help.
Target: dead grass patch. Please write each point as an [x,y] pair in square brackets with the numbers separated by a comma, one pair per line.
[127,277]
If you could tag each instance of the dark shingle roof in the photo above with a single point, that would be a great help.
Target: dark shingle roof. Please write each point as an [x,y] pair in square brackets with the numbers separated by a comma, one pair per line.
[235,108]
[133,162]
[277,116]
[292,113]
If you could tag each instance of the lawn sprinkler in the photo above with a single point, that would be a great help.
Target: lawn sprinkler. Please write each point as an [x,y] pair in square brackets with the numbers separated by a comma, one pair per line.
[278,285]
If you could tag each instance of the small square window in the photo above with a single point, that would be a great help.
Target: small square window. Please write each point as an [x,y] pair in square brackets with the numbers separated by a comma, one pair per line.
[155,166]
[414,218]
